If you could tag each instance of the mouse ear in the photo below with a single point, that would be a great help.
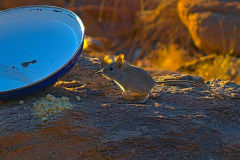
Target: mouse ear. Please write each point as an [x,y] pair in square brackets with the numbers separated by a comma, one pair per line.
[120,60]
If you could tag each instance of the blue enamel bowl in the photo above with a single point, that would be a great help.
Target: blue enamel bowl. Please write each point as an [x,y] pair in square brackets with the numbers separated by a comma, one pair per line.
[38,45]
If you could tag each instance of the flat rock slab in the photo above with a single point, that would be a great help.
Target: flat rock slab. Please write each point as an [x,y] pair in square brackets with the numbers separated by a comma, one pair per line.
[178,122]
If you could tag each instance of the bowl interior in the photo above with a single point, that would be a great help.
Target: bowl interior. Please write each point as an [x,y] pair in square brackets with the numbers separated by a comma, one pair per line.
[35,42]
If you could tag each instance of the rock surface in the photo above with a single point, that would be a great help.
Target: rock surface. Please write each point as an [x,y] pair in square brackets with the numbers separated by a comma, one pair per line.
[213,24]
[178,122]
[214,66]
[101,18]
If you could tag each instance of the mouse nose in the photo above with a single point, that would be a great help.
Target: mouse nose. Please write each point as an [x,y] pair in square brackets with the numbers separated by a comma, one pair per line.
[98,72]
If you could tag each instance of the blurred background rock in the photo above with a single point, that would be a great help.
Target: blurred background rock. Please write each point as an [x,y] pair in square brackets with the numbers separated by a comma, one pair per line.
[199,37]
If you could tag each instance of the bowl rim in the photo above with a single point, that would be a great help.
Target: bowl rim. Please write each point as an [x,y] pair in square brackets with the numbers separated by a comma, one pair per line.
[75,17]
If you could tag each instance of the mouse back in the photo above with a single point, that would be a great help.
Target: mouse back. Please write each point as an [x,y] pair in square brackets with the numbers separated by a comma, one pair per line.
[136,79]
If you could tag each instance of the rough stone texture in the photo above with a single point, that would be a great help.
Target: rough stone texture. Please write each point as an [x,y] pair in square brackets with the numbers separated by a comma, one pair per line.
[178,122]
[213,24]
[4,4]
[108,18]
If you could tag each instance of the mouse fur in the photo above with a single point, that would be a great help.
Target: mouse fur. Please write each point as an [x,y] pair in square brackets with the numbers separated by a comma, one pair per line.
[137,80]
[129,77]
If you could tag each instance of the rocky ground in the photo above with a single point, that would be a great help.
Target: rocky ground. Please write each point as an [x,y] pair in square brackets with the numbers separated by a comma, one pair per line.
[178,122]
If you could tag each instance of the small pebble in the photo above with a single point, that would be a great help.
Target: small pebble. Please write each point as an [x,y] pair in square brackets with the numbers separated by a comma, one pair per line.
[21,102]
[64,99]
[105,105]
[78,98]
[44,119]
[50,97]
[199,116]
[157,105]
[160,116]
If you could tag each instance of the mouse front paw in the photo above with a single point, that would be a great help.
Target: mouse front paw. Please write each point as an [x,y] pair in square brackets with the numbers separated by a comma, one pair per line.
[145,99]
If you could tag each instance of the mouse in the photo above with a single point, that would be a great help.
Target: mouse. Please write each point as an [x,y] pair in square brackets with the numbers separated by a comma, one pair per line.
[135,79]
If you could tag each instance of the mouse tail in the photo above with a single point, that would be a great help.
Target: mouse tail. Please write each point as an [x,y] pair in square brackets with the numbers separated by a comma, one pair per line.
[169,81]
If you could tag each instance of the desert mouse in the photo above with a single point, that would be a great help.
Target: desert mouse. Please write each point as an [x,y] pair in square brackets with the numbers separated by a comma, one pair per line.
[135,79]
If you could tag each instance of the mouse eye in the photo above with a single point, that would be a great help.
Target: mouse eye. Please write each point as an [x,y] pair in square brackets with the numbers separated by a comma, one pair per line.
[111,68]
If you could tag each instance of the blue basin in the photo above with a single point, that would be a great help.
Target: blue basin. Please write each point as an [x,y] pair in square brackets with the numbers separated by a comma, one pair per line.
[38,45]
